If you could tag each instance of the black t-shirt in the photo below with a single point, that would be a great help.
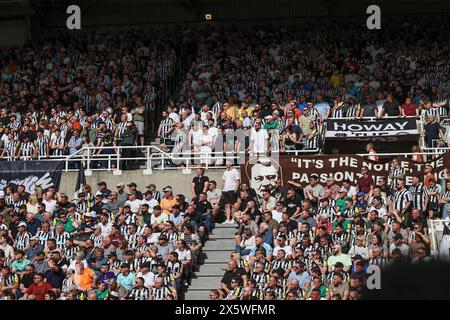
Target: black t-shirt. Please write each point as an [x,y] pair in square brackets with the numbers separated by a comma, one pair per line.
[201,208]
[27,280]
[292,204]
[432,131]
[244,202]
[229,275]
[199,183]
[55,278]
[392,108]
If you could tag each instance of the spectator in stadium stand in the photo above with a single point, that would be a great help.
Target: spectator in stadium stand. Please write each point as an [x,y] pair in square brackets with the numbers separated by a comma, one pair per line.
[432,131]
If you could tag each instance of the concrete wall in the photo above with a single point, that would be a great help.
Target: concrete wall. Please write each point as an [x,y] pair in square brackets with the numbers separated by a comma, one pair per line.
[13,32]
[116,13]
[181,183]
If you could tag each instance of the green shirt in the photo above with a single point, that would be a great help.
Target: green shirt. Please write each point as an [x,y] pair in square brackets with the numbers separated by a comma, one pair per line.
[102,295]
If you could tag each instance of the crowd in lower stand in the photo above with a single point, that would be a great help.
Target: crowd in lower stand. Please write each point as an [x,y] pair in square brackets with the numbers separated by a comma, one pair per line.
[321,242]
[120,244]
[292,242]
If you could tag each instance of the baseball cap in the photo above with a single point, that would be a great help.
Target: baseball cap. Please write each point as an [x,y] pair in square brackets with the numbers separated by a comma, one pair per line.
[360,194]
[22,224]
[101,183]
[342,189]
[167,189]
[132,184]
[151,185]
[120,185]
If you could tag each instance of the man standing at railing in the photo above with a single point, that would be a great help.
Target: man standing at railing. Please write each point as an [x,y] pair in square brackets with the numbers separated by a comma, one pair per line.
[74,145]
[129,139]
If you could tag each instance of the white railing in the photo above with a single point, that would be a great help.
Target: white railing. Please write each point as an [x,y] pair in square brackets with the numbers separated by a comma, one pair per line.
[90,157]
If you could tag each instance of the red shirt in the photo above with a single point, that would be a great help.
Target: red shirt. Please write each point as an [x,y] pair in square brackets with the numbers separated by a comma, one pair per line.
[409,109]
[39,291]
[364,184]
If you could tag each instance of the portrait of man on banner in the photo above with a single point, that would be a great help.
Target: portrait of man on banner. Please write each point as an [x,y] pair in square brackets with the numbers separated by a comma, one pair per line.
[263,173]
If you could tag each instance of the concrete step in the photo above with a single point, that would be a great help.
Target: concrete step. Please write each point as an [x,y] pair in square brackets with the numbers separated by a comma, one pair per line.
[220,244]
[211,269]
[197,295]
[217,257]
[223,233]
[226,226]
[205,283]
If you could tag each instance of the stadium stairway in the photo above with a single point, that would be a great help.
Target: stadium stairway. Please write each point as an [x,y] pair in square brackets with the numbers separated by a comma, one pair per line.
[216,254]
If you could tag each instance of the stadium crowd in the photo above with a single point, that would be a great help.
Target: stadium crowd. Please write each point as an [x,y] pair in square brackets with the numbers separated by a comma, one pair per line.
[322,242]
[120,244]
[292,242]
[63,93]
[277,85]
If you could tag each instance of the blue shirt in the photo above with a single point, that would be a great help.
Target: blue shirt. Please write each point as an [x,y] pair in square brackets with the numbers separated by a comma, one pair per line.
[268,237]
[265,246]
[322,108]
[176,220]
[303,278]
[31,252]
[78,142]
[126,281]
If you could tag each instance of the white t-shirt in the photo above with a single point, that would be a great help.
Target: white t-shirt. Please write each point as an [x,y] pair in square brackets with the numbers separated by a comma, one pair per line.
[183,255]
[49,205]
[230,178]
[258,140]
[134,205]
[276,215]
[149,278]
[287,250]
[151,204]
[106,228]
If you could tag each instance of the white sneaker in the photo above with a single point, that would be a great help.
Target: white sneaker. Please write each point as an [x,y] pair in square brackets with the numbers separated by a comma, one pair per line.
[232,221]
[226,222]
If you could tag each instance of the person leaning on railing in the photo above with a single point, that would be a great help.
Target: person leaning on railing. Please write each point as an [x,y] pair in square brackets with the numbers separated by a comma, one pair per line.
[129,139]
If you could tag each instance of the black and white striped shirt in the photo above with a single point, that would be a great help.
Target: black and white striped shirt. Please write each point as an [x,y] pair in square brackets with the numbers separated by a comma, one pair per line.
[418,194]
[43,237]
[166,126]
[42,146]
[57,141]
[11,147]
[97,240]
[132,240]
[17,204]
[160,293]
[396,174]
[352,110]
[379,261]
[260,278]
[70,253]
[139,293]
[313,143]
[22,240]
[26,150]
[61,239]
[433,199]
[401,198]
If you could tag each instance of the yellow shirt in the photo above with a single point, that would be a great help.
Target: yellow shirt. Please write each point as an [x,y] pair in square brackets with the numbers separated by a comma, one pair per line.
[167,204]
